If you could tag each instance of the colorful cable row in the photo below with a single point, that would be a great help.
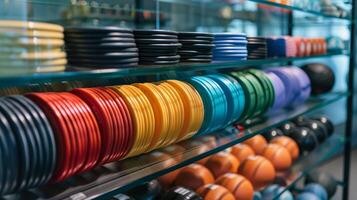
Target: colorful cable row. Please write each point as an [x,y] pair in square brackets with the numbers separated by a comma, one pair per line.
[52,136]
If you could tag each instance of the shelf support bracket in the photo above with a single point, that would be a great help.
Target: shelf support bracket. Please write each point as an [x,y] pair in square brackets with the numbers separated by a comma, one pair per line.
[350,107]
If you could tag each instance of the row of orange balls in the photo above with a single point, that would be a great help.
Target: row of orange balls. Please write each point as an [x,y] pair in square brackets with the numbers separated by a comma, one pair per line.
[238,171]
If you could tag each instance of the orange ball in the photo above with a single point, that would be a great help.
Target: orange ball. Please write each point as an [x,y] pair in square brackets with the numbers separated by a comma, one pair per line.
[240,187]
[258,170]
[214,192]
[242,151]
[257,143]
[289,144]
[222,163]
[279,156]
[168,179]
[194,176]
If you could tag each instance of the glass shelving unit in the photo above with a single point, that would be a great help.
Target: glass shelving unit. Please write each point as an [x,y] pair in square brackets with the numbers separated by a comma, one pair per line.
[106,181]
[22,80]
[113,178]
[294,7]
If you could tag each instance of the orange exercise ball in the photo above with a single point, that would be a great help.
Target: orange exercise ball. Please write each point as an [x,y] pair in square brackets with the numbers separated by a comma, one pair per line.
[240,187]
[222,163]
[257,143]
[258,170]
[289,144]
[242,151]
[215,192]
[194,176]
[279,156]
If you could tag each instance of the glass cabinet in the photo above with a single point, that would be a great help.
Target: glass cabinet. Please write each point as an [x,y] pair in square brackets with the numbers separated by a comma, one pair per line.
[333,20]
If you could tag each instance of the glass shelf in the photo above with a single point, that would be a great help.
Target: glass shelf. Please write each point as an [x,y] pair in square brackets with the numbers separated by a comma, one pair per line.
[117,177]
[81,10]
[314,159]
[88,3]
[23,80]
[153,13]
[206,3]
[296,8]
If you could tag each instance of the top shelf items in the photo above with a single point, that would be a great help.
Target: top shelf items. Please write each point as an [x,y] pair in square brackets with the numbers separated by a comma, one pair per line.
[128,10]
[317,8]
[8,79]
